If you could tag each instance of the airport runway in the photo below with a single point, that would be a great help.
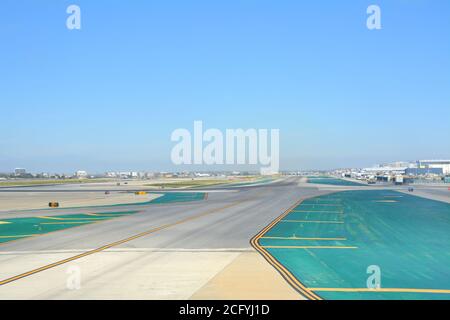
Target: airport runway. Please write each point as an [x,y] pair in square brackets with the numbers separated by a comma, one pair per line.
[184,246]
[190,250]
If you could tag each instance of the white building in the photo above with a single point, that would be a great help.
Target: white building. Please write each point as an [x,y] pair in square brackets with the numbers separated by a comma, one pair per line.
[440,164]
[384,170]
[399,164]
[19,171]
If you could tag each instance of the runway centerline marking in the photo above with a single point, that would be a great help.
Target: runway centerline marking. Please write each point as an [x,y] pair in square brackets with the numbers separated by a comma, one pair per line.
[114,244]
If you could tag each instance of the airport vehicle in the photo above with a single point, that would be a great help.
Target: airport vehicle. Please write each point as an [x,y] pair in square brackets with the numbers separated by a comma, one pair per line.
[398,180]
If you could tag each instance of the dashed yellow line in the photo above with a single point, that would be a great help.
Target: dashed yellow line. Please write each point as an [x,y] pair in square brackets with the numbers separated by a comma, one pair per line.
[312,221]
[299,238]
[398,290]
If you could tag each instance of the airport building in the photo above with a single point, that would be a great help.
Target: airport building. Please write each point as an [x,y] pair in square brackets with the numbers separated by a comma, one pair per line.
[424,171]
[421,167]
[435,164]
[20,171]
[384,170]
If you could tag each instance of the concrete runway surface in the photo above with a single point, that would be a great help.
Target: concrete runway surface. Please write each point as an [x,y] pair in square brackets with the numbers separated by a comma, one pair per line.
[185,249]
[191,250]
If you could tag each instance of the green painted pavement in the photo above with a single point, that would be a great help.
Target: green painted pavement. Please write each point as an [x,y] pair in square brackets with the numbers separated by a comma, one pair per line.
[169,197]
[383,296]
[18,228]
[406,236]
[177,197]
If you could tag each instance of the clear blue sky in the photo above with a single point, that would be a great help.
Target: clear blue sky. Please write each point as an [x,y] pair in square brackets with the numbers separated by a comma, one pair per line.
[107,97]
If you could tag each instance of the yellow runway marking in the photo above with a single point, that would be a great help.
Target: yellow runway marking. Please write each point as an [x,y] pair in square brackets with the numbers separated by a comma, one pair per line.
[309,247]
[325,203]
[312,221]
[321,204]
[4,222]
[68,222]
[69,219]
[314,211]
[286,274]
[298,238]
[398,290]
[114,244]
[17,236]
[105,215]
